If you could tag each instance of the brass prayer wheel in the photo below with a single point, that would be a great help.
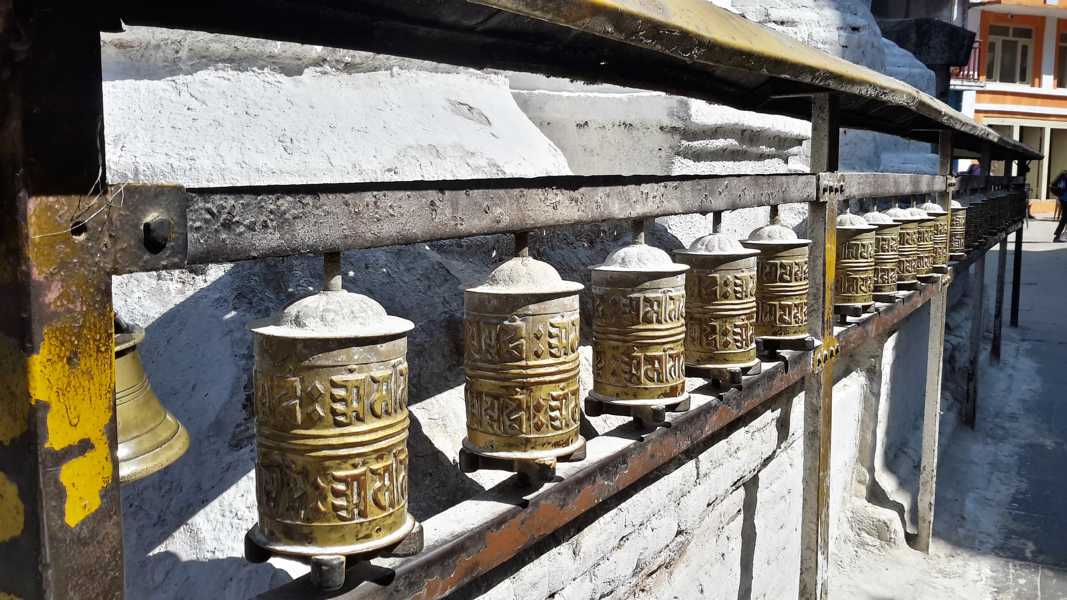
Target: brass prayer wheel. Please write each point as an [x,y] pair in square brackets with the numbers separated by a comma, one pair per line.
[854,281]
[720,309]
[886,251]
[941,232]
[521,337]
[639,328]
[331,412]
[781,282]
[924,241]
[957,230]
[149,436]
[908,259]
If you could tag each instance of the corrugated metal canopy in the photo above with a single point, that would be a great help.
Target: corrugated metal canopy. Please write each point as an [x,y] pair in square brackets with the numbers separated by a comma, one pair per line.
[685,47]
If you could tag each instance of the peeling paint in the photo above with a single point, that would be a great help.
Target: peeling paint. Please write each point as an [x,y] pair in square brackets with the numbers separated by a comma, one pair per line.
[12,515]
[72,369]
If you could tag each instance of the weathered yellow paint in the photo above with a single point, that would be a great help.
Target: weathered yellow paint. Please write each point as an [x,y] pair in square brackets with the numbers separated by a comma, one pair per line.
[72,370]
[12,514]
[7,596]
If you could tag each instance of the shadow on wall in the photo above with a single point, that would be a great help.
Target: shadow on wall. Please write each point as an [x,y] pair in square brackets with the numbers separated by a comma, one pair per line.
[198,354]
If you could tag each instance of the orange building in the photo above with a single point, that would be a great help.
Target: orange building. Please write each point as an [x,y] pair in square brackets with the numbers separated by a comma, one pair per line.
[1016,81]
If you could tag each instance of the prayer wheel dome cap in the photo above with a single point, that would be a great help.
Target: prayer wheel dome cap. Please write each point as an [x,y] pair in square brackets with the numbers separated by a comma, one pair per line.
[718,244]
[640,257]
[525,275]
[855,222]
[774,235]
[902,215]
[878,219]
[957,206]
[919,214]
[933,209]
[333,315]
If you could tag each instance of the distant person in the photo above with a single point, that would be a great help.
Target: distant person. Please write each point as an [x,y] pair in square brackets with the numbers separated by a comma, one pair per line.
[1059,190]
[974,169]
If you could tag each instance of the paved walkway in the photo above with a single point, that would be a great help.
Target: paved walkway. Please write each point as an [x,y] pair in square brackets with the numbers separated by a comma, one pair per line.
[1001,519]
[1002,488]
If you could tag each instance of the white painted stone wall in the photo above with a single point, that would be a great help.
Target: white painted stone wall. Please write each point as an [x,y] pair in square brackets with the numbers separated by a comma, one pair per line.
[213,110]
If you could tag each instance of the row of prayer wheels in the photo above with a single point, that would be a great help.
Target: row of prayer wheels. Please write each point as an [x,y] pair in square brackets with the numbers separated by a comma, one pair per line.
[331,371]
[990,215]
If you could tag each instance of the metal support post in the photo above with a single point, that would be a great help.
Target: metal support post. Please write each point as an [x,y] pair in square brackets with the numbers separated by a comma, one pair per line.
[998,305]
[1017,255]
[970,405]
[818,388]
[1016,277]
[935,349]
[60,527]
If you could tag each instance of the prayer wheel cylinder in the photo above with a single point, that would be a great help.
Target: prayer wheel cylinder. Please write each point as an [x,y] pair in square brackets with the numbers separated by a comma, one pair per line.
[149,437]
[924,241]
[941,232]
[331,395]
[720,309]
[781,282]
[854,280]
[975,213]
[521,334]
[639,325]
[908,250]
[886,252]
[957,230]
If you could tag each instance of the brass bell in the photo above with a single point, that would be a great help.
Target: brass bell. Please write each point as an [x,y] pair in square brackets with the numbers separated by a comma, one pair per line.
[958,230]
[521,339]
[781,282]
[638,333]
[854,281]
[720,309]
[908,261]
[886,254]
[331,413]
[149,437]
[941,233]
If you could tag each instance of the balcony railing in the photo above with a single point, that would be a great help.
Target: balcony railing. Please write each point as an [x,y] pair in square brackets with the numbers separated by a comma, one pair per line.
[970,72]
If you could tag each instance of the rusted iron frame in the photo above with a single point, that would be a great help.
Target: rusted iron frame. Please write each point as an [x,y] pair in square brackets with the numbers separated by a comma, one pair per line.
[818,385]
[60,525]
[883,185]
[935,348]
[231,224]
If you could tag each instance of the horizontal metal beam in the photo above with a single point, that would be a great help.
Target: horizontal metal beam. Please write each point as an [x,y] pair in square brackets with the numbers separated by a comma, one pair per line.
[882,185]
[232,224]
[460,548]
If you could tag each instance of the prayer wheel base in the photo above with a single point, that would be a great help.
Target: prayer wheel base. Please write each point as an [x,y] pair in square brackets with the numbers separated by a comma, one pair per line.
[328,564]
[725,375]
[888,297]
[958,255]
[907,286]
[771,346]
[648,414]
[929,278]
[844,311]
[940,269]
[534,468]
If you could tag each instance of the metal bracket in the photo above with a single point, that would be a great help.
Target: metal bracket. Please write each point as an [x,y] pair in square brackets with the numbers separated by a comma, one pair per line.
[147,228]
